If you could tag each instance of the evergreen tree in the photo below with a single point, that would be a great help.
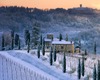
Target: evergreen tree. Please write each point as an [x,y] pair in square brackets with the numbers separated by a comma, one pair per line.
[12,40]
[79,69]
[98,73]
[3,42]
[26,36]
[28,47]
[35,34]
[51,60]
[80,46]
[19,44]
[60,37]
[85,52]
[94,73]
[43,47]
[16,39]
[12,43]
[38,51]
[52,38]
[64,64]
[41,40]
[55,54]
[95,48]
[12,34]
[66,37]
[83,68]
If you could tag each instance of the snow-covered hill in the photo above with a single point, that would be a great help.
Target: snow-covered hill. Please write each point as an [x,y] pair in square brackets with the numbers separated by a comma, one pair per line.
[19,65]
[78,26]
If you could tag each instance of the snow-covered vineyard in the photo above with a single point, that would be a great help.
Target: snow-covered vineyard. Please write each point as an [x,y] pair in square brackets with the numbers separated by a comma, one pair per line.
[19,65]
[11,69]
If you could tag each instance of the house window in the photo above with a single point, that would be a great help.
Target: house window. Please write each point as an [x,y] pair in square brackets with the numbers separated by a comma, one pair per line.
[47,47]
[69,51]
[62,47]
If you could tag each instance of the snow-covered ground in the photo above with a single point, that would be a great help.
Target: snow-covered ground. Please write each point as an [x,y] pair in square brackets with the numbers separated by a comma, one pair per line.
[15,69]
[20,65]
[16,59]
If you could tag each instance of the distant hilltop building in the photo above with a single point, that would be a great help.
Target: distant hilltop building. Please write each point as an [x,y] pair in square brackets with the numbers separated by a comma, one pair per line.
[80,10]
[80,5]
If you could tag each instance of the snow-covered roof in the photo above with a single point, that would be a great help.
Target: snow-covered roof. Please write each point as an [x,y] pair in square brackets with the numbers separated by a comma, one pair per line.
[62,42]
[49,33]
[48,40]
[55,39]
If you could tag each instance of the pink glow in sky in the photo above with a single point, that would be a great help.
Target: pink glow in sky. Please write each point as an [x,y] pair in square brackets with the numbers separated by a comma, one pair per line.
[43,4]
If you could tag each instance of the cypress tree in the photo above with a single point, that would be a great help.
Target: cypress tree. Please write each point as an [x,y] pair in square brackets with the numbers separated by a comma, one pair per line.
[12,40]
[52,38]
[80,46]
[28,47]
[85,52]
[19,44]
[83,68]
[94,73]
[41,40]
[51,60]
[79,69]
[43,47]
[3,42]
[95,48]
[38,51]
[66,37]
[16,39]
[55,55]
[35,34]
[12,34]
[98,73]
[64,64]
[26,36]
[12,43]
[60,37]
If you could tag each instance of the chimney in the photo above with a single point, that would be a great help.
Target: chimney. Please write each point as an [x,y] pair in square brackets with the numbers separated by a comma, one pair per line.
[71,42]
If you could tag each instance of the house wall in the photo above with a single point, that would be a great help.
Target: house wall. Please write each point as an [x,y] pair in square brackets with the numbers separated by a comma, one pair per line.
[47,45]
[64,48]
[70,48]
[77,50]
[50,36]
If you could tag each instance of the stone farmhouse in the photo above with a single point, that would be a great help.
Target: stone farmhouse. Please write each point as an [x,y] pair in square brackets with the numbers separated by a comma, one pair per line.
[60,46]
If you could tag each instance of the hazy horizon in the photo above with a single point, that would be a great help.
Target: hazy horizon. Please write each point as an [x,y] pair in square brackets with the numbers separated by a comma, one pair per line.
[51,4]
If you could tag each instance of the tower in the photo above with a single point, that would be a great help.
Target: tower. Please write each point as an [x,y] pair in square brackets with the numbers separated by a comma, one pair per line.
[80,5]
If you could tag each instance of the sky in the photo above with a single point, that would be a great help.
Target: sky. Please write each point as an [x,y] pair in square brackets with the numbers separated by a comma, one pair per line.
[47,4]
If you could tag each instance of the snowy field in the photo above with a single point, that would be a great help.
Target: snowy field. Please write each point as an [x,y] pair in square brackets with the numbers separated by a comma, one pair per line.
[15,69]
[20,65]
